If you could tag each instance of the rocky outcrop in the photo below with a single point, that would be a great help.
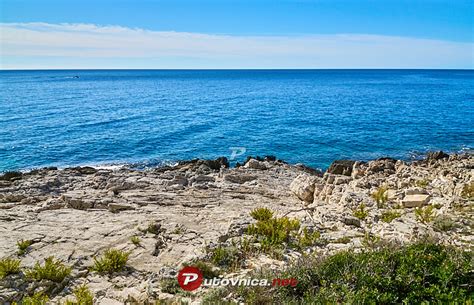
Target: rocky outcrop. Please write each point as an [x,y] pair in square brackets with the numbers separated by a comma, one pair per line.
[177,212]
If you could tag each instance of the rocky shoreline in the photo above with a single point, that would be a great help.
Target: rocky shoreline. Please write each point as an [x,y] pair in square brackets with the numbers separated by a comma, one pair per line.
[176,212]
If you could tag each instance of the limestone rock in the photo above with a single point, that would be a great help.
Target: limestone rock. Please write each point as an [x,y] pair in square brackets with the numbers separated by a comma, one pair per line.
[418,200]
[255,164]
[341,167]
[303,187]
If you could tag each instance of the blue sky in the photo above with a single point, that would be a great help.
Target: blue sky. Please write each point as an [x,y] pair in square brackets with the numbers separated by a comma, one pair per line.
[213,34]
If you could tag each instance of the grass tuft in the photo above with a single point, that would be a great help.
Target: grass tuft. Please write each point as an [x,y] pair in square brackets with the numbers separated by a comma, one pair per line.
[9,266]
[423,183]
[23,246]
[52,270]
[38,298]
[388,216]
[261,214]
[444,224]
[360,212]
[468,191]
[82,295]
[380,196]
[113,260]
[135,240]
[425,215]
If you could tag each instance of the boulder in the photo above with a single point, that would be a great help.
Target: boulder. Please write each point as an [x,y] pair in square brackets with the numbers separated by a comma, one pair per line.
[417,200]
[341,167]
[303,187]
[382,165]
[255,164]
[436,155]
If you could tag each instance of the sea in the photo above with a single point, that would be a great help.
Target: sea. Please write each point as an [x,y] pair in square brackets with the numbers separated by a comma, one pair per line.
[148,118]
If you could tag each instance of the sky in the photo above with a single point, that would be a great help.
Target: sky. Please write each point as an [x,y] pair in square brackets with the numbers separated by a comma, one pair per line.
[205,34]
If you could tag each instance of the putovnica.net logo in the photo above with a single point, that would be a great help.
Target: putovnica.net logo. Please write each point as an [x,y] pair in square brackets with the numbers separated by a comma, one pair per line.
[190,278]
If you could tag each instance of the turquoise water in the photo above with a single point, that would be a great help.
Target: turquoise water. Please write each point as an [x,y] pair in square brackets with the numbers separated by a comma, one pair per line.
[150,117]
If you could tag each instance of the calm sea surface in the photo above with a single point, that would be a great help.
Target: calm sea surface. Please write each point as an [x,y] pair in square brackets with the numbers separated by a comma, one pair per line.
[149,117]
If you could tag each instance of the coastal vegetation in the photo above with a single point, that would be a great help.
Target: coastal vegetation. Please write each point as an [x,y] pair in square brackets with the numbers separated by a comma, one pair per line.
[23,246]
[9,266]
[113,260]
[52,269]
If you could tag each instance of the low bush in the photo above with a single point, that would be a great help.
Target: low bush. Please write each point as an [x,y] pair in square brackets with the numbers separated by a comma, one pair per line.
[423,183]
[206,269]
[52,270]
[261,214]
[82,295]
[135,240]
[23,246]
[38,298]
[420,273]
[380,196]
[360,212]
[113,260]
[468,191]
[444,224]
[9,266]
[425,215]
[388,216]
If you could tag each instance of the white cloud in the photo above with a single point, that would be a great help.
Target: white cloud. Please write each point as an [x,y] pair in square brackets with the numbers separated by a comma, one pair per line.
[80,42]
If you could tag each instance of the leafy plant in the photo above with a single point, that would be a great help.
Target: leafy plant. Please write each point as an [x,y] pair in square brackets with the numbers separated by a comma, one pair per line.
[135,240]
[38,298]
[422,183]
[226,256]
[9,266]
[274,231]
[307,239]
[23,246]
[360,212]
[468,191]
[380,196]
[52,270]
[113,260]
[444,224]
[422,273]
[261,214]
[425,214]
[206,269]
[371,241]
[388,216]
[82,295]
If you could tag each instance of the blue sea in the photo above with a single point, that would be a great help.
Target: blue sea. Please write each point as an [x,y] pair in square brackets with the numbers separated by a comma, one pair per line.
[153,117]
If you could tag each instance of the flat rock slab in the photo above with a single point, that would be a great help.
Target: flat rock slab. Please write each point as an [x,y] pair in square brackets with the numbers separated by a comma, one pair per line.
[415,201]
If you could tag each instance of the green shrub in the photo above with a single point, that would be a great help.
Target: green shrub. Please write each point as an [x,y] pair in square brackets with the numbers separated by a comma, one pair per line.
[380,196]
[425,214]
[371,241]
[113,260]
[274,231]
[422,273]
[38,298]
[206,269]
[388,216]
[82,295]
[423,183]
[444,224]
[9,266]
[261,214]
[226,256]
[468,191]
[135,240]
[52,270]
[23,246]
[170,285]
[360,212]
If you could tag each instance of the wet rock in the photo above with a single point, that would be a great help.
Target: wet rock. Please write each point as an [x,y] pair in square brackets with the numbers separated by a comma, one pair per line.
[436,155]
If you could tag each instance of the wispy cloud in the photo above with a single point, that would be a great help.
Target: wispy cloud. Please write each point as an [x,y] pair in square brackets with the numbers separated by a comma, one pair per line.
[112,45]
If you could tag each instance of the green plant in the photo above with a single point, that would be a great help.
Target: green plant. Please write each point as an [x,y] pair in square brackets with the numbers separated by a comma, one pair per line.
[371,241]
[170,285]
[342,240]
[360,212]
[113,260]
[23,246]
[52,270]
[444,224]
[82,295]
[206,269]
[422,273]
[425,214]
[135,240]
[274,231]
[226,256]
[261,214]
[307,239]
[38,298]
[380,196]
[468,191]
[9,266]
[388,216]
[422,183]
